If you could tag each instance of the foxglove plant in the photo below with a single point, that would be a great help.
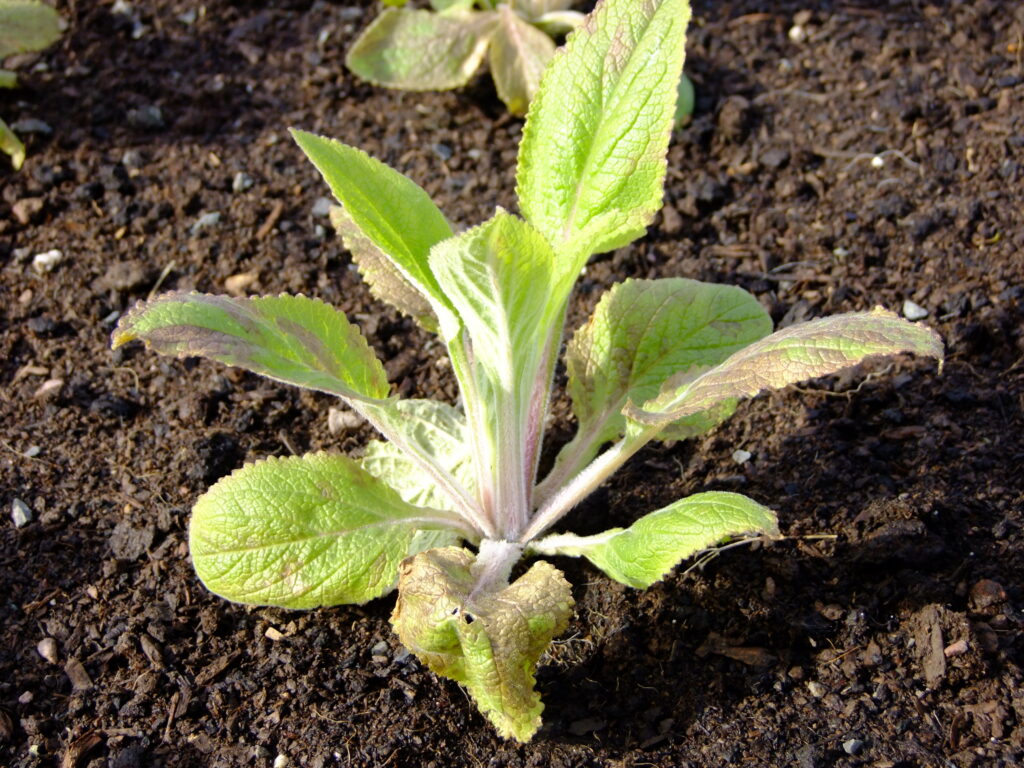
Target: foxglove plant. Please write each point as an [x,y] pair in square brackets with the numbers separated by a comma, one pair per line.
[442,48]
[450,502]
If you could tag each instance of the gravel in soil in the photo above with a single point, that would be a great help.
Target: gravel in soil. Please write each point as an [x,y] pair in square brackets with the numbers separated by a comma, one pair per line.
[842,155]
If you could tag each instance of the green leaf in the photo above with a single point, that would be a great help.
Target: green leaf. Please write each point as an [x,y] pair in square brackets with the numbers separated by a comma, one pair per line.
[302,532]
[440,432]
[645,552]
[26,25]
[8,79]
[389,209]
[489,640]
[292,339]
[519,53]
[11,145]
[644,331]
[418,50]
[800,352]
[592,159]
[501,278]
[684,101]
[386,280]
[534,9]
[448,5]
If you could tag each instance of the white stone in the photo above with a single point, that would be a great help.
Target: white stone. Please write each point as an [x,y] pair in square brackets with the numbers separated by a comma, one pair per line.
[45,262]
[913,311]
[322,207]
[342,419]
[741,456]
[21,513]
[281,761]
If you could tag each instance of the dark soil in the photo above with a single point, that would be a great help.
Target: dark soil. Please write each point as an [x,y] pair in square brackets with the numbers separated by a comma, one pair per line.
[884,630]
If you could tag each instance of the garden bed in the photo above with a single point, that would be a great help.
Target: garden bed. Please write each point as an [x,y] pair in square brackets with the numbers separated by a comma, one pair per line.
[841,157]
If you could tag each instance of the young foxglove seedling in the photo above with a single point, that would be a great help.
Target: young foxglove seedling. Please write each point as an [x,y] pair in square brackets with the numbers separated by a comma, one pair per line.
[421,50]
[448,504]
[25,26]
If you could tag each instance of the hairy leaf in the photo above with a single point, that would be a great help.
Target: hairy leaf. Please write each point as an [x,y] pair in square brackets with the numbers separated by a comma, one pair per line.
[645,552]
[519,52]
[26,25]
[11,145]
[644,331]
[592,160]
[439,430]
[418,50]
[800,352]
[449,5]
[489,640]
[293,339]
[501,278]
[389,209]
[386,280]
[302,532]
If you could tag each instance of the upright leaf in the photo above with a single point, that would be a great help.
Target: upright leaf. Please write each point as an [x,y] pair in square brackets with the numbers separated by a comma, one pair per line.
[803,351]
[518,54]
[592,160]
[534,9]
[303,532]
[27,25]
[642,332]
[389,209]
[645,552]
[292,339]
[418,50]
[489,641]
[501,277]
[440,432]
[386,280]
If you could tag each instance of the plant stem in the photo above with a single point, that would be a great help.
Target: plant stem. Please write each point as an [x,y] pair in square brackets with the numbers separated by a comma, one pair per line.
[586,482]
[493,564]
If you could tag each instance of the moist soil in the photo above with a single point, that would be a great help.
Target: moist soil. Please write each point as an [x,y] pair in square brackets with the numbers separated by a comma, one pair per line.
[841,156]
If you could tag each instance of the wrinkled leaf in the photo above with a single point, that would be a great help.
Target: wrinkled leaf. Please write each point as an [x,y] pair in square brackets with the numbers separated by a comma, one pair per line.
[643,332]
[490,641]
[26,25]
[418,50]
[293,339]
[592,159]
[519,52]
[800,352]
[386,280]
[436,428]
[389,209]
[557,23]
[302,532]
[500,276]
[11,145]
[645,552]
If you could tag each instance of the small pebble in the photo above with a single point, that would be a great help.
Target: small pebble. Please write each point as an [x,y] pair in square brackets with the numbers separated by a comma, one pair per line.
[47,648]
[26,209]
[380,649]
[32,451]
[241,182]
[273,633]
[236,285]
[341,419]
[797,33]
[853,746]
[206,221]
[913,311]
[322,207]
[133,158]
[188,17]
[150,116]
[741,456]
[816,689]
[26,698]
[48,389]
[877,161]
[959,648]
[281,761]
[44,262]
[21,513]
[32,125]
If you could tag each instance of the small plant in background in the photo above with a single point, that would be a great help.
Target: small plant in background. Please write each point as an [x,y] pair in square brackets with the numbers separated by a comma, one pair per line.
[25,26]
[421,50]
[450,502]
